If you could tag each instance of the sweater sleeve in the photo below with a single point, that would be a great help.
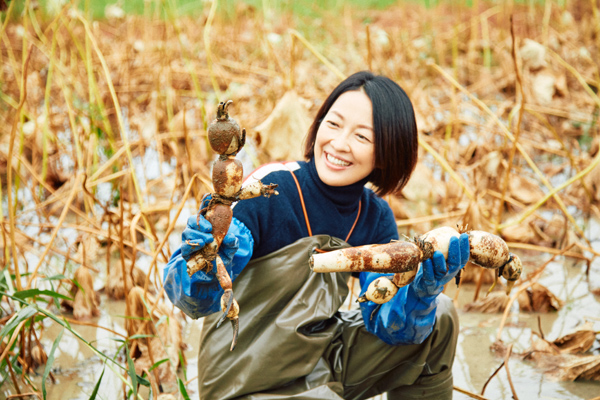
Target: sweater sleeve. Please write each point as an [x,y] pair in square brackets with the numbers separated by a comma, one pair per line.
[199,295]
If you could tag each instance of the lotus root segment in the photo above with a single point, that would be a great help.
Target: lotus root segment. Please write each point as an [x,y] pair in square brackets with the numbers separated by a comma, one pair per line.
[380,291]
[439,239]
[512,272]
[227,139]
[224,133]
[384,258]
[403,259]
[227,176]
[487,250]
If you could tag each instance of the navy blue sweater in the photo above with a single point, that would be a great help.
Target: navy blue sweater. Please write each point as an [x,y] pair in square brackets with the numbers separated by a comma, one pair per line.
[278,221]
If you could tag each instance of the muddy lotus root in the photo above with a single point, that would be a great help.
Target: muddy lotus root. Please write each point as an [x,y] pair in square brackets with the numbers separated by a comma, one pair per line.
[402,258]
[226,139]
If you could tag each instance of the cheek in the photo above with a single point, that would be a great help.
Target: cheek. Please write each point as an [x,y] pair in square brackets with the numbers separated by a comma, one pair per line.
[320,140]
[370,156]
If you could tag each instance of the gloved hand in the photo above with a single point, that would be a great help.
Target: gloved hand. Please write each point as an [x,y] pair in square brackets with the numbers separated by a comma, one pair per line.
[435,272]
[197,234]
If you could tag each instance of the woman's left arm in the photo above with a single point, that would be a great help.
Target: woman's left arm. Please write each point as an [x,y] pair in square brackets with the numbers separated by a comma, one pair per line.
[408,318]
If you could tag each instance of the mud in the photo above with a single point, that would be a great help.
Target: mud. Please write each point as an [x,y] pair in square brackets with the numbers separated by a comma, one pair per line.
[77,368]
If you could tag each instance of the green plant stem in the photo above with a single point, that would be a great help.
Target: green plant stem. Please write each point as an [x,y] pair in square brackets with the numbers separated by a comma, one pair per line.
[66,325]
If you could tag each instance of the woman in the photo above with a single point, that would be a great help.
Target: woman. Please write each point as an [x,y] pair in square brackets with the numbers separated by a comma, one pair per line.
[293,340]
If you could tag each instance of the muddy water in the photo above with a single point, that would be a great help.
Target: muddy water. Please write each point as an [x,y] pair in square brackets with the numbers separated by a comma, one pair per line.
[77,368]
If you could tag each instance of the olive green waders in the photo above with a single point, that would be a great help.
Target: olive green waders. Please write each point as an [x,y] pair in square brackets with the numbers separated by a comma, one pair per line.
[294,343]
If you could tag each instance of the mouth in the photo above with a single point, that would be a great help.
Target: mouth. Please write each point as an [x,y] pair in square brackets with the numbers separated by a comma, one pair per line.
[336,161]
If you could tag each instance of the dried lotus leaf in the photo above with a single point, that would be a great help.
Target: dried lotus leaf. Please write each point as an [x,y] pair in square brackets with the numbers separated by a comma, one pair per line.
[533,54]
[538,298]
[555,229]
[398,207]
[568,367]
[539,349]
[474,218]
[543,86]
[524,190]
[522,233]
[422,185]
[85,299]
[282,133]
[493,303]
[88,248]
[115,288]
[578,341]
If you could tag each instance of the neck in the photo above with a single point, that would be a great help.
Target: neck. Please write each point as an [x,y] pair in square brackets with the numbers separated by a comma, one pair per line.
[344,197]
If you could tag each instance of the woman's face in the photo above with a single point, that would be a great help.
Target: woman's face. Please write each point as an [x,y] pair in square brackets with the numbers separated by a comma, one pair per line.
[345,143]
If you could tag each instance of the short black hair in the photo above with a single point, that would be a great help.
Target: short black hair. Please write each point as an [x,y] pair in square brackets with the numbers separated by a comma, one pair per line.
[394,126]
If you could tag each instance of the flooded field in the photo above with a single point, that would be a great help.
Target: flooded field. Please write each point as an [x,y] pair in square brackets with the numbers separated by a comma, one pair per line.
[104,155]
[77,369]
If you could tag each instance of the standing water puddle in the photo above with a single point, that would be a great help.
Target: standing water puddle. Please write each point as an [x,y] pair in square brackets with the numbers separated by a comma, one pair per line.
[77,369]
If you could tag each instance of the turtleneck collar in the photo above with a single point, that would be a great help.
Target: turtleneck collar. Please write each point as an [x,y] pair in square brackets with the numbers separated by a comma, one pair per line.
[345,198]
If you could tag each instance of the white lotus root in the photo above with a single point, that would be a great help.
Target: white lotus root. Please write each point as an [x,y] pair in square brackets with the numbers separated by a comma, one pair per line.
[403,258]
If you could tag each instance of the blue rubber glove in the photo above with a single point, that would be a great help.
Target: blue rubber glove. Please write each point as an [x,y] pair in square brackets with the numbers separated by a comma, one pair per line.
[199,295]
[197,234]
[435,272]
[229,246]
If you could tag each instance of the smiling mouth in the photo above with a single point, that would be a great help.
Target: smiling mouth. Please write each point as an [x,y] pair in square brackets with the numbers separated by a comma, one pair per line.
[336,161]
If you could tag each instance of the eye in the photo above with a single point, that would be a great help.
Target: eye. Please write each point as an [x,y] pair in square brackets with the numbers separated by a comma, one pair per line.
[332,124]
[363,138]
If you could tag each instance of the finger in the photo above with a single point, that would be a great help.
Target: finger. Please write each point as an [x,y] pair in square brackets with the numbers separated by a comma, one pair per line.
[453,254]
[439,265]
[230,240]
[427,267]
[191,222]
[203,225]
[465,248]
[195,236]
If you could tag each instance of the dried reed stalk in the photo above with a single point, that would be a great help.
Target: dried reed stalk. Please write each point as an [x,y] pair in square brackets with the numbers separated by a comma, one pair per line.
[517,133]
[11,210]
[61,219]
[484,107]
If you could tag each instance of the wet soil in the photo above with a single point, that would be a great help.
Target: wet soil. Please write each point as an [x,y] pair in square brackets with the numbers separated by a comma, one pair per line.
[77,368]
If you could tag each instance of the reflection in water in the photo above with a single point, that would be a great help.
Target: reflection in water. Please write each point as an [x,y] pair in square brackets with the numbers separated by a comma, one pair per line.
[475,362]
[77,368]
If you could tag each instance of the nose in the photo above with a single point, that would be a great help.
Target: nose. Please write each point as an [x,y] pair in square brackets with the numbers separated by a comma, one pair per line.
[340,142]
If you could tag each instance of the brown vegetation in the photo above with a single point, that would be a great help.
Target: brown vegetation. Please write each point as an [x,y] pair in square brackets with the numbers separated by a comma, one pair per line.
[104,141]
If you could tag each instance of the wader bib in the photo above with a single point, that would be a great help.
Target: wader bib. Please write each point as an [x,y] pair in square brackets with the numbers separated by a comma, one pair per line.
[294,343]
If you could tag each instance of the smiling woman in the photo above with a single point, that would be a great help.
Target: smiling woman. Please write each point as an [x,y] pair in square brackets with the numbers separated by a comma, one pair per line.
[365,131]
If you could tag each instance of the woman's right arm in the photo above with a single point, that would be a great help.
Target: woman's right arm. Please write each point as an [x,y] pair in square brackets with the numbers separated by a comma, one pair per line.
[199,295]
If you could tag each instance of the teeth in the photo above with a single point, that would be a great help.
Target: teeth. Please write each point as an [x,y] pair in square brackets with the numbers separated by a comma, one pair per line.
[337,161]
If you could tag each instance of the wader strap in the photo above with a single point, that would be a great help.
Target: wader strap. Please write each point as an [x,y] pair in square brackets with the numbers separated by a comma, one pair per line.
[306,214]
